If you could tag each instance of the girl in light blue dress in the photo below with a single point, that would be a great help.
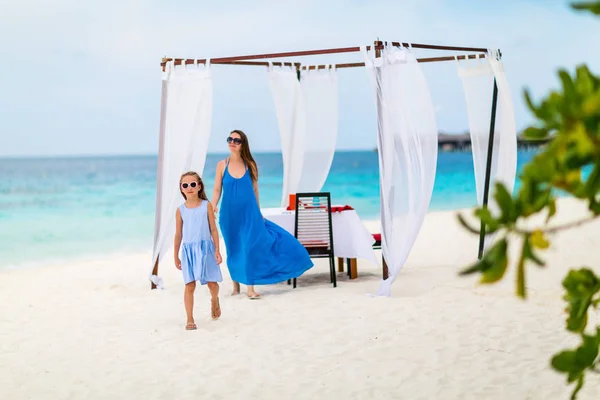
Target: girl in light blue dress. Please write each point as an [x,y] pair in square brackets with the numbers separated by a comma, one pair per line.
[197,243]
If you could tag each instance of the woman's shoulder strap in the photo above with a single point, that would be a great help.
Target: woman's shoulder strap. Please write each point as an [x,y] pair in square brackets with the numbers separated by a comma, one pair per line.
[225,166]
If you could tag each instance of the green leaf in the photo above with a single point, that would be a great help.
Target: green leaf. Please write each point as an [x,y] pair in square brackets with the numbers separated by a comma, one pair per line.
[529,254]
[493,264]
[590,6]
[535,133]
[498,262]
[591,104]
[506,204]
[574,375]
[594,206]
[575,362]
[584,80]
[541,200]
[538,240]
[586,354]
[581,287]
[521,288]
[528,101]
[592,185]
[584,144]
[551,209]
[570,93]
[564,361]
[480,266]
[491,224]
[541,169]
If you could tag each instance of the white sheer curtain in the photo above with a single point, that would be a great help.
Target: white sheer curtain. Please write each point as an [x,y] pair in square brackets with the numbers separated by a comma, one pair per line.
[478,83]
[289,106]
[320,98]
[186,113]
[307,115]
[407,145]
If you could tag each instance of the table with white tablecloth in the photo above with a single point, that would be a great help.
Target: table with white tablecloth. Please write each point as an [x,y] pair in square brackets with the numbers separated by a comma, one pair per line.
[351,240]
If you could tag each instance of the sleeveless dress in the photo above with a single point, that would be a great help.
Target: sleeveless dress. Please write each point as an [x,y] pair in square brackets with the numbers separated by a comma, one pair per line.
[259,252]
[197,252]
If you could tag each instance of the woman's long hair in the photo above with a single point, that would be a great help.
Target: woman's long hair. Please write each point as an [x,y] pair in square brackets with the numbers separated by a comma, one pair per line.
[247,155]
[201,194]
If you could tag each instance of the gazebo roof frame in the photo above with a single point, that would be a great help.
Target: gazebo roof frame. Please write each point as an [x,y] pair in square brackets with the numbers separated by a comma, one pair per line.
[377,45]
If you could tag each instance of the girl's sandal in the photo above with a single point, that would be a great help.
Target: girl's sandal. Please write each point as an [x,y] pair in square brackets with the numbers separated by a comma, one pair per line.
[190,327]
[215,309]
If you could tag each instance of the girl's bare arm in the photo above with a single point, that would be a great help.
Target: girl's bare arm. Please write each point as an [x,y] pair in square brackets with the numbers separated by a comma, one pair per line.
[178,235]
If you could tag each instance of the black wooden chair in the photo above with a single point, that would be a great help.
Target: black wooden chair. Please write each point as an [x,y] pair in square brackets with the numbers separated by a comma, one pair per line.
[313,228]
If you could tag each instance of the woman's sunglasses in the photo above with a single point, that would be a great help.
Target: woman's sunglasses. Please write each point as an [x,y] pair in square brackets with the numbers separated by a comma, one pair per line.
[234,140]
[192,185]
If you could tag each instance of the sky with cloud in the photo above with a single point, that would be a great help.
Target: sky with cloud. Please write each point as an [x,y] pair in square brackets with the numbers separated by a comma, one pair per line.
[83,77]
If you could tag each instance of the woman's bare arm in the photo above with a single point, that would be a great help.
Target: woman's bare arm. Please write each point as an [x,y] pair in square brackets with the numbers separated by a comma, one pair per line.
[214,232]
[255,184]
[218,185]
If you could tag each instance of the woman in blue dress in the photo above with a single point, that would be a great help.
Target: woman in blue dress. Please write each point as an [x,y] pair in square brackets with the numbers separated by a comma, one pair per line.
[259,252]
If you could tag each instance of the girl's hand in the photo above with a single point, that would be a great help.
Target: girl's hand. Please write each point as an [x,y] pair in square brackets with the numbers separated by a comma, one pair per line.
[218,257]
[216,209]
[177,263]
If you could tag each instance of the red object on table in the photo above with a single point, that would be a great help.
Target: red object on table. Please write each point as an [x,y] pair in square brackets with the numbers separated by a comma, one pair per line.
[292,206]
[292,202]
[341,208]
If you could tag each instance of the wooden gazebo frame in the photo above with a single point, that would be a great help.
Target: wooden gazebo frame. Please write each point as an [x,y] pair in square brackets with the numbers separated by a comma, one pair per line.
[248,60]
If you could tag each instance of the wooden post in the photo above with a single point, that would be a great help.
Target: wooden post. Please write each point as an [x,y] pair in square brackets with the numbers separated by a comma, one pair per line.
[353,269]
[154,272]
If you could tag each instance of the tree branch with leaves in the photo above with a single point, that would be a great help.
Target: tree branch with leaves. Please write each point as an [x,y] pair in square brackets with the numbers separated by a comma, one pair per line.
[569,116]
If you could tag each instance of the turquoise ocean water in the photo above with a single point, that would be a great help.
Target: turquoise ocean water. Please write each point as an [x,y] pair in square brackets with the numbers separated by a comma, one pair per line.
[53,209]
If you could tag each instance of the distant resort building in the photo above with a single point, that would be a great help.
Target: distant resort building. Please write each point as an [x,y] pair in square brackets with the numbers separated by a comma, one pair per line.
[462,142]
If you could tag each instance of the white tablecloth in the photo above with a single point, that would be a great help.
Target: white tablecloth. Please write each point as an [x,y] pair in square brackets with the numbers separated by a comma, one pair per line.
[350,238]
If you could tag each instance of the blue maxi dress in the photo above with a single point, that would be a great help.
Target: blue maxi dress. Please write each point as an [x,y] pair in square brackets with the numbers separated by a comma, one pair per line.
[259,252]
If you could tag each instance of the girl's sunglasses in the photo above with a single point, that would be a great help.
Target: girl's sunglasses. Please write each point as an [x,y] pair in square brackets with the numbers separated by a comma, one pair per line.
[234,140]
[192,185]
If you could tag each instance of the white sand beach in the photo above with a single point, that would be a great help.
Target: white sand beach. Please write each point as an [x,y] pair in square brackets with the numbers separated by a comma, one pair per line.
[94,330]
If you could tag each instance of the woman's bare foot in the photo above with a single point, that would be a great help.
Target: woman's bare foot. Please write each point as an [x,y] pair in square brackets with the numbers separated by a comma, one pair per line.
[215,308]
[253,295]
[236,289]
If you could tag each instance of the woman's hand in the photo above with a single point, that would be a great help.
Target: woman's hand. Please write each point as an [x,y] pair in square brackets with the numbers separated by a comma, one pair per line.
[218,257]
[216,209]
[177,263]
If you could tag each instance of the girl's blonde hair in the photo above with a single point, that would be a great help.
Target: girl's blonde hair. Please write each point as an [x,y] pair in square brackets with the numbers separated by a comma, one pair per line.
[201,194]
